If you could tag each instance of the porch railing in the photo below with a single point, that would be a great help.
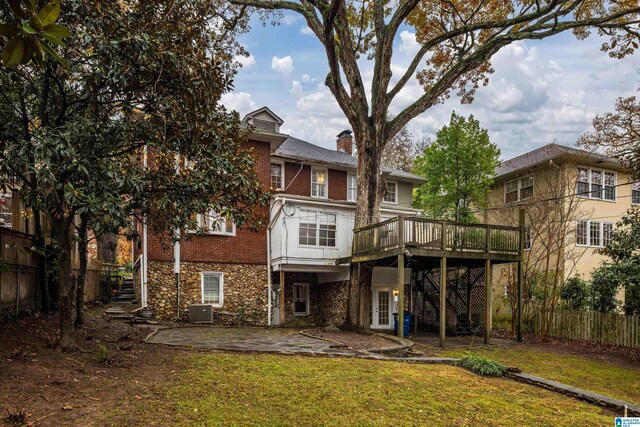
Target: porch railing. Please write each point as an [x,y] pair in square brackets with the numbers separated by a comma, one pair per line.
[438,235]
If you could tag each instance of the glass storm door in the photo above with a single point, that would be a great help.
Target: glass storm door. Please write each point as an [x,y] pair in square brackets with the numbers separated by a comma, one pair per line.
[381,302]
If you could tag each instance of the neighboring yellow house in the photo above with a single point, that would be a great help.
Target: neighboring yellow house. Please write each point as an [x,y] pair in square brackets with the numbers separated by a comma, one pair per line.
[572,200]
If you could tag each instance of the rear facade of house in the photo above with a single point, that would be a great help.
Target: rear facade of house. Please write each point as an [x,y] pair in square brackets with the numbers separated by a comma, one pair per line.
[286,273]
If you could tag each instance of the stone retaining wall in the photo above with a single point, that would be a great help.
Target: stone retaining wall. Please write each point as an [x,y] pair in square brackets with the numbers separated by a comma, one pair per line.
[244,291]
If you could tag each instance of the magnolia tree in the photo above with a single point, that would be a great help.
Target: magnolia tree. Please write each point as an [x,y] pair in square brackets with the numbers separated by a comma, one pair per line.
[142,86]
[457,40]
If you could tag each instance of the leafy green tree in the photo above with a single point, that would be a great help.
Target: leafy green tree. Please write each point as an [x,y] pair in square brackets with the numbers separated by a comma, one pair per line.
[604,286]
[142,87]
[623,271]
[575,293]
[459,168]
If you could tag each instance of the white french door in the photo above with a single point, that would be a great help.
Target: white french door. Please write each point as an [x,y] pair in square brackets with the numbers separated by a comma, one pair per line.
[381,316]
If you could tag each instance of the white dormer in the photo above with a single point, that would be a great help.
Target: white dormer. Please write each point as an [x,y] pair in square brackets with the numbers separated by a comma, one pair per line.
[264,119]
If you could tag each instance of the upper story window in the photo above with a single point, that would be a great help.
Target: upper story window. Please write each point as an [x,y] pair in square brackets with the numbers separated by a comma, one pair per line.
[277,176]
[212,288]
[214,223]
[6,210]
[635,193]
[317,229]
[518,189]
[351,188]
[392,192]
[596,183]
[593,233]
[319,183]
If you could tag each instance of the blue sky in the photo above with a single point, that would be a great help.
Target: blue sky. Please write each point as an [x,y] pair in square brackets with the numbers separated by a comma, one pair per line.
[541,92]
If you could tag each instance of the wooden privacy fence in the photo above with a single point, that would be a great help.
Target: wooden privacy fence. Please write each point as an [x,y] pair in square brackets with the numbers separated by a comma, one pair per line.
[604,328]
[18,271]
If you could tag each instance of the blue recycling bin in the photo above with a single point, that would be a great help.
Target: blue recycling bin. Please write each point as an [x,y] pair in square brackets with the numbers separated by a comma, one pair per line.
[407,323]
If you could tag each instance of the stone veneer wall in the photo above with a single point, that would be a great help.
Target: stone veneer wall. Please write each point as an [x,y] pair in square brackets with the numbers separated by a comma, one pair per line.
[244,291]
[327,301]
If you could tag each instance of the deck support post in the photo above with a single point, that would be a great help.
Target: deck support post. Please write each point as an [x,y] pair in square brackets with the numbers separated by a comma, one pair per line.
[488,320]
[443,300]
[282,298]
[520,295]
[401,295]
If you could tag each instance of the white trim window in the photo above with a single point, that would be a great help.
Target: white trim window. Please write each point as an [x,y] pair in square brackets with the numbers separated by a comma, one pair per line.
[352,189]
[214,223]
[518,189]
[212,287]
[300,299]
[391,196]
[527,238]
[596,183]
[635,193]
[317,229]
[277,176]
[319,181]
[593,233]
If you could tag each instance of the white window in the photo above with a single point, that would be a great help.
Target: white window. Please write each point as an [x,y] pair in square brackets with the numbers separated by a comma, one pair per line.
[212,288]
[317,229]
[213,223]
[351,188]
[277,176]
[635,193]
[596,184]
[319,183]
[300,299]
[392,192]
[6,210]
[593,233]
[518,189]
[527,237]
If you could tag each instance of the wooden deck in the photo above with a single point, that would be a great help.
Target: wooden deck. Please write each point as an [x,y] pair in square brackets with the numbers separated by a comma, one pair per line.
[432,238]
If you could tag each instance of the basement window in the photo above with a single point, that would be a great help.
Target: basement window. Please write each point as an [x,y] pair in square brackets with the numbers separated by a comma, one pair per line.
[212,288]
[300,299]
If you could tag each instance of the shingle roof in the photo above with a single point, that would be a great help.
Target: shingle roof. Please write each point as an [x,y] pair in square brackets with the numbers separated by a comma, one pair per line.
[297,149]
[544,154]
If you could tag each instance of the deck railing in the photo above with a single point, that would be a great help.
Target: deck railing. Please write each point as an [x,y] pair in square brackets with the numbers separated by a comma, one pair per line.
[433,234]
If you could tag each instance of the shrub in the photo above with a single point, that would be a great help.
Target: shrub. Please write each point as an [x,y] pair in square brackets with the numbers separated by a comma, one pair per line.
[482,365]
[575,293]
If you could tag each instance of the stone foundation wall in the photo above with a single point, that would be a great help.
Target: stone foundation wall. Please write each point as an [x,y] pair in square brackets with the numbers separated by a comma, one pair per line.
[244,291]
[327,301]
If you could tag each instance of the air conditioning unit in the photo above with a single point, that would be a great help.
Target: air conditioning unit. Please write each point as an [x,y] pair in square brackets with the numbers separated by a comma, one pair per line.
[200,313]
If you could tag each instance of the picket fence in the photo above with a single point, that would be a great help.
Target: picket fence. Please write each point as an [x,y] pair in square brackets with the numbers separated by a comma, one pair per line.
[605,328]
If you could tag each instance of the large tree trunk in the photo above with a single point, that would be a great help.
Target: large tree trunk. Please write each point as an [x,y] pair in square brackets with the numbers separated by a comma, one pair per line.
[367,212]
[43,277]
[61,233]
[82,274]
[107,245]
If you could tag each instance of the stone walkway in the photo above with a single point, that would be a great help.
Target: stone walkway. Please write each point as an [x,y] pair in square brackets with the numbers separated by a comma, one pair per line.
[283,341]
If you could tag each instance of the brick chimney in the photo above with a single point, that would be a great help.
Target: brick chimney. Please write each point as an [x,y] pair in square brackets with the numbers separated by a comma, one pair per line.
[345,142]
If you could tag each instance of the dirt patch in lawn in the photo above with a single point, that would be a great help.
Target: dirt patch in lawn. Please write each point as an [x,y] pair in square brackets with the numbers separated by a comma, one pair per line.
[353,340]
[56,388]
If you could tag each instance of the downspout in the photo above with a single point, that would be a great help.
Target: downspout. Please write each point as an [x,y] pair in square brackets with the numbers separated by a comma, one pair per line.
[145,249]
[269,281]
[176,270]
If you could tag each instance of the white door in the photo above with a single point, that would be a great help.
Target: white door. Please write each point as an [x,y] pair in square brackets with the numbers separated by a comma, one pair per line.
[381,316]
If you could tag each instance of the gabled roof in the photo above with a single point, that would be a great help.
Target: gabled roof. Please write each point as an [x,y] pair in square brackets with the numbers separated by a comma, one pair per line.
[549,152]
[264,109]
[297,149]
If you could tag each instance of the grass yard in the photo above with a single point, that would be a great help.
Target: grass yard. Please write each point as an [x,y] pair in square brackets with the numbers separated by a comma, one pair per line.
[234,389]
[618,380]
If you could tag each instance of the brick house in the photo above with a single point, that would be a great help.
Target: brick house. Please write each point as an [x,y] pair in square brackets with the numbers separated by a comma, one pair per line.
[286,273]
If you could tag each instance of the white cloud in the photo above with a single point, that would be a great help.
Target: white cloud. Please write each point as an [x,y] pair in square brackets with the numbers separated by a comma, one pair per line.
[245,61]
[306,78]
[241,102]
[296,88]
[306,31]
[408,44]
[289,19]
[282,65]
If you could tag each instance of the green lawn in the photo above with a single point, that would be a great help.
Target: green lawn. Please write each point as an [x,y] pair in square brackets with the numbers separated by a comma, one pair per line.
[600,376]
[234,389]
